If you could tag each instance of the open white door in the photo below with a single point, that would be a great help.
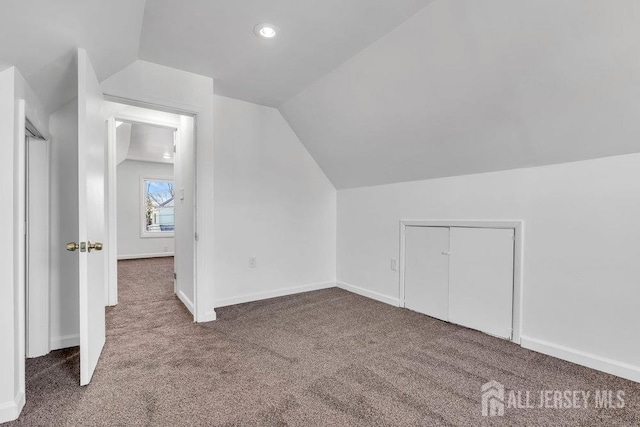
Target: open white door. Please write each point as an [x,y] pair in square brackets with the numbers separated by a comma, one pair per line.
[91,203]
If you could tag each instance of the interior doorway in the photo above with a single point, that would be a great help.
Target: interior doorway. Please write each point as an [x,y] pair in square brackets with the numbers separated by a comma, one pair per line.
[150,187]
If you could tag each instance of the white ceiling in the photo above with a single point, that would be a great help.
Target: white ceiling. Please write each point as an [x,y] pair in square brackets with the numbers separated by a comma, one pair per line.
[216,39]
[467,86]
[149,143]
[40,37]
[378,91]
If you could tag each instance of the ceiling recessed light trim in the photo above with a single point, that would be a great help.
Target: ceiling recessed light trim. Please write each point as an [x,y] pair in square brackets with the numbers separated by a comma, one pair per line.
[266,31]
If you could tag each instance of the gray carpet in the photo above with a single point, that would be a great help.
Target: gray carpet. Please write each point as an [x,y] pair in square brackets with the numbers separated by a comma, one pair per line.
[321,358]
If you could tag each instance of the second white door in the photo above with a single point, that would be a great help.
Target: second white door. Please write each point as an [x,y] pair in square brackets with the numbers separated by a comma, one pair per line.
[481,279]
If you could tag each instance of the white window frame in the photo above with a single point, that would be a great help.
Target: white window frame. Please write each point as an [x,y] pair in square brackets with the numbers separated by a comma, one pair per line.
[143,204]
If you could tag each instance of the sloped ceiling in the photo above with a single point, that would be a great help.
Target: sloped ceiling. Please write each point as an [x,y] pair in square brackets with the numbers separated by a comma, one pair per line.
[216,39]
[378,91]
[150,144]
[468,86]
[40,37]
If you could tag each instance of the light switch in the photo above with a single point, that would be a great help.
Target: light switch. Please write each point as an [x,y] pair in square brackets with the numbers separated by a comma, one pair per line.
[394,264]
[252,262]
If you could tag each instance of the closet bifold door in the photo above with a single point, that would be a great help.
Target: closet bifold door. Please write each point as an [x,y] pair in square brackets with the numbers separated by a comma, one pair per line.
[481,279]
[426,288]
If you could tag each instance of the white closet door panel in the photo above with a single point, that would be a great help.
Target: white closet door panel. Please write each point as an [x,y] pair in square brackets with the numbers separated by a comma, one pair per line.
[481,279]
[427,271]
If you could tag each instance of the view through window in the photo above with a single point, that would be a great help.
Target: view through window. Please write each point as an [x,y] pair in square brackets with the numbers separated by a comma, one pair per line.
[159,214]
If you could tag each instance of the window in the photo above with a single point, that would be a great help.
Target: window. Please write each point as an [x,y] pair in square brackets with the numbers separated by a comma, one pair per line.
[158,212]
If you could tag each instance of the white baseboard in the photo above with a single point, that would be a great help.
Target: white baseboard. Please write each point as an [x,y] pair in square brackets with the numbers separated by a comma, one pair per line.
[369,294]
[186,301]
[142,256]
[65,341]
[603,364]
[273,294]
[209,316]
[10,410]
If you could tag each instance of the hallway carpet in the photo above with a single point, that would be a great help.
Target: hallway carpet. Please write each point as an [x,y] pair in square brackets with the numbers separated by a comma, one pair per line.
[320,358]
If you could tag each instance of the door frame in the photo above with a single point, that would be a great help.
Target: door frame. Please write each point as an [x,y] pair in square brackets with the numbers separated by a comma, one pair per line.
[111,197]
[19,280]
[516,225]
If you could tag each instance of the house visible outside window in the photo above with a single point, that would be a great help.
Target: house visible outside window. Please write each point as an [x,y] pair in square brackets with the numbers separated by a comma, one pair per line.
[158,212]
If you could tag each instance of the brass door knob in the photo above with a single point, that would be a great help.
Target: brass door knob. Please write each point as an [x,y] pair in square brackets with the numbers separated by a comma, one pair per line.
[72,246]
[96,245]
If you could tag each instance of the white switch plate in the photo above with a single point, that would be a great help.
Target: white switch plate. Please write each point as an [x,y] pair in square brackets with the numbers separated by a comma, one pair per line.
[252,262]
[394,264]
[182,194]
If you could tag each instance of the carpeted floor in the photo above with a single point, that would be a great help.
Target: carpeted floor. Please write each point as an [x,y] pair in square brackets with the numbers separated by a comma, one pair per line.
[321,358]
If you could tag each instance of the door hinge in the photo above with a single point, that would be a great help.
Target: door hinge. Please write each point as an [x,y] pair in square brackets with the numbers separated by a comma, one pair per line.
[175,276]
[196,237]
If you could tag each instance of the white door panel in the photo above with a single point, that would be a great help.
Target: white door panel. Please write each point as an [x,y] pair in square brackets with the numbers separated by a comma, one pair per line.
[481,279]
[427,271]
[91,214]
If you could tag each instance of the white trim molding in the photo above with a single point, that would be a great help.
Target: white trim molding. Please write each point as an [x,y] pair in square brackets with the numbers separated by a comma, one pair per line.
[10,410]
[209,316]
[142,256]
[241,299]
[518,258]
[185,300]
[66,341]
[369,294]
[579,357]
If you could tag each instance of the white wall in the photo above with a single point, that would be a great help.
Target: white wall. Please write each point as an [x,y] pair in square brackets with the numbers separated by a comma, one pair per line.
[272,202]
[130,244]
[581,270]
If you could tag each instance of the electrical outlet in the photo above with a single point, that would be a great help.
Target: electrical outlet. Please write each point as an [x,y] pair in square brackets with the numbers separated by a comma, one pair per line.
[394,264]
[252,262]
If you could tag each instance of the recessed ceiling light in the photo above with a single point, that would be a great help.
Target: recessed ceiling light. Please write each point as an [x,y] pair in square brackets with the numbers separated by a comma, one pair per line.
[166,156]
[265,31]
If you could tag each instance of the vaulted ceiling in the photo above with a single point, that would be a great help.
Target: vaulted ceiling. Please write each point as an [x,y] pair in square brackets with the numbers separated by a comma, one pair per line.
[378,91]
[40,38]
[211,38]
[467,86]
[215,38]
